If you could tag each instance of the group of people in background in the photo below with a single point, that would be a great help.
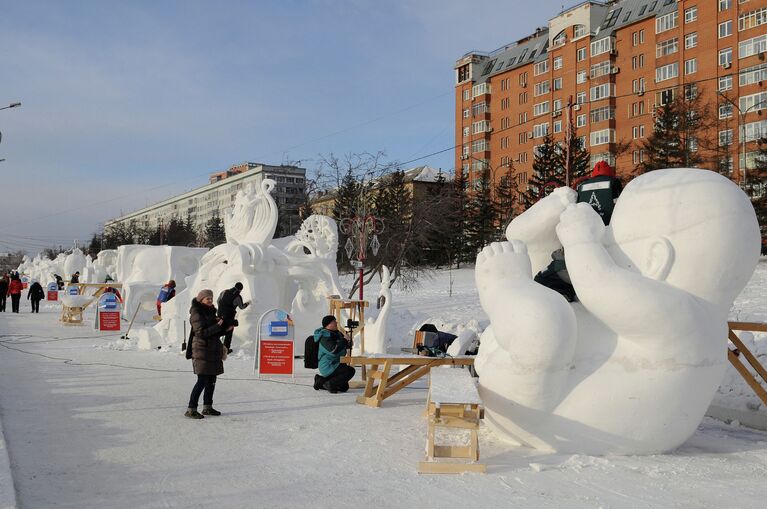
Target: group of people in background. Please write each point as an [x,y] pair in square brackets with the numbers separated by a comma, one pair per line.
[11,286]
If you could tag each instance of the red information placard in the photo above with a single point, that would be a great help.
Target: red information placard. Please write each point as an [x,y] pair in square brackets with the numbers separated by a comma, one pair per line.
[275,357]
[53,295]
[109,320]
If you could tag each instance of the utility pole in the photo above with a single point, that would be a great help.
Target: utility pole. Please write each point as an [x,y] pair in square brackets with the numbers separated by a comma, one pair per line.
[568,139]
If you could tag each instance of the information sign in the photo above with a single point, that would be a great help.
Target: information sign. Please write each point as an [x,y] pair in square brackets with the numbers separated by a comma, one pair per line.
[53,291]
[109,312]
[275,357]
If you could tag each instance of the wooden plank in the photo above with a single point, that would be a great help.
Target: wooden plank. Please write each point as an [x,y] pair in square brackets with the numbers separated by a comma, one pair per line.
[369,387]
[381,391]
[748,355]
[750,326]
[374,402]
[428,467]
[453,451]
[418,373]
[414,360]
[456,422]
[747,376]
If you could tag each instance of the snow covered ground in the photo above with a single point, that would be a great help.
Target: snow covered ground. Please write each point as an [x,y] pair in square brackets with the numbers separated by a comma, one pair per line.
[90,421]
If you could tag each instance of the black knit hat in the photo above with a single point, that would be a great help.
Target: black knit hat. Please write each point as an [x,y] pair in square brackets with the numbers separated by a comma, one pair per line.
[238,285]
[328,320]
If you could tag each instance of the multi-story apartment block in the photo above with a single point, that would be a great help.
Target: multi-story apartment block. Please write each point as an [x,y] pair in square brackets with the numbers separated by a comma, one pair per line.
[616,62]
[213,199]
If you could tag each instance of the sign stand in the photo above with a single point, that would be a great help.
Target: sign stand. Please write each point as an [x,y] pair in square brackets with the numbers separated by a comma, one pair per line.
[275,344]
[108,312]
[53,291]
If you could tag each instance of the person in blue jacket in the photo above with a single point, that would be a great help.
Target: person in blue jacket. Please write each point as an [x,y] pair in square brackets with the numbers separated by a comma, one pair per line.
[167,292]
[334,377]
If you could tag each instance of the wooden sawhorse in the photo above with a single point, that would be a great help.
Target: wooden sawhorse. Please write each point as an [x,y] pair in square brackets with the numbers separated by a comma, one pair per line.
[750,357]
[416,366]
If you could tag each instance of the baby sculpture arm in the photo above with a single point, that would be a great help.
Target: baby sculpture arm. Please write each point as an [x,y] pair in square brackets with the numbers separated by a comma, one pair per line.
[631,299]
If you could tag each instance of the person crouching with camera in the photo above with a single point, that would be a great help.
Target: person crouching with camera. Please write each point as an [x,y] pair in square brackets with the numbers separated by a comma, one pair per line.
[334,376]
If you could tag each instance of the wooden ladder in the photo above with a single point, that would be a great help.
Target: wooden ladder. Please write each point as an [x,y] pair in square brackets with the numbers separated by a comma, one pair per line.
[736,361]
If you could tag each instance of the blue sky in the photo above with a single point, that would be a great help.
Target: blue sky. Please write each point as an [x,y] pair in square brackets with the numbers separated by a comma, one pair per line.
[127,103]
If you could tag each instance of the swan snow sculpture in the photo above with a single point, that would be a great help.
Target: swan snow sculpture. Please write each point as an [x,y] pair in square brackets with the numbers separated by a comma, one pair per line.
[375,330]
[293,273]
[632,366]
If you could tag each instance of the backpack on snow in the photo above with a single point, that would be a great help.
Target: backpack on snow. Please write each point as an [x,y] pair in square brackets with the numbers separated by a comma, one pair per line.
[311,352]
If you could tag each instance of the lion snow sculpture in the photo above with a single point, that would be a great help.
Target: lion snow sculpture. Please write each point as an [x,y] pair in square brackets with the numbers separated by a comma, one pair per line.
[633,365]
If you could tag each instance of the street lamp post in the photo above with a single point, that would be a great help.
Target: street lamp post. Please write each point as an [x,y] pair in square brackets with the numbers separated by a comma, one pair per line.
[742,134]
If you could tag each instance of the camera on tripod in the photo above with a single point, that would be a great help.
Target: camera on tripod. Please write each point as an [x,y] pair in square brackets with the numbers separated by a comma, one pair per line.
[352,324]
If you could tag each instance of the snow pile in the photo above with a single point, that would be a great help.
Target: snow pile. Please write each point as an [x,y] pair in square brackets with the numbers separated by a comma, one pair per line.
[633,366]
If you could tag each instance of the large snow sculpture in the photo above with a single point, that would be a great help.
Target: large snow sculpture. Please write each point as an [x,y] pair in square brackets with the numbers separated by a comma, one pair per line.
[632,367]
[143,270]
[74,262]
[292,273]
[375,330]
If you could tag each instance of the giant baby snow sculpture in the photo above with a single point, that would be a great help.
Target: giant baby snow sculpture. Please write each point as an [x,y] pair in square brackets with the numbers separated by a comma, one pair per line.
[633,366]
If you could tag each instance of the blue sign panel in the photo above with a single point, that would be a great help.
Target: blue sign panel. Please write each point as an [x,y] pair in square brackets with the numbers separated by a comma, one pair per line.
[278,328]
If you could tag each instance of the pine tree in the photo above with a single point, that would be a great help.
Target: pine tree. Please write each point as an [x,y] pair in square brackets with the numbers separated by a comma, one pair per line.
[345,207]
[481,227]
[392,205]
[214,231]
[505,191]
[547,172]
[95,245]
[455,221]
[580,159]
[756,187]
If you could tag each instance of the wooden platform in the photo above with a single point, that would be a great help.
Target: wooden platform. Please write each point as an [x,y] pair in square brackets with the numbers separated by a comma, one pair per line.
[380,368]
[453,403]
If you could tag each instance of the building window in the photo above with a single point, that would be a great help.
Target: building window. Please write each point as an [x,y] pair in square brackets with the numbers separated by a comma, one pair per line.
[638,131]
[602,91]
[691,40]
[540,67]
[558,63]
[725,57]
[481,89]
[603,113]
[601,46]
[541,108]
[691,66]
[580,121]
[466,132]
[560,39]
[666,47]
[523,79]
[580,98]
[558,126]
[479,146]
[641,36]
[557,83]
[752,19]
[466,95]
[557,105]
[480,127]
[523,98]
[725,110]
[466,113]
[753,102]
[600,69]
[690,14]
[667,72]
[725,29]
[754,131]
[580,77]
[725,83]
[542,88]
[724,5]
[540,130]
[580,55]
[753,75]
[602,137]
[635,38]
[725,138]
[579,31]
[752,46]
[479,109]
[666,22]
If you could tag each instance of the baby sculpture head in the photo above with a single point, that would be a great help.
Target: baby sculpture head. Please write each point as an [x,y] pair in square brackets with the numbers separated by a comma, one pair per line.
[693,229]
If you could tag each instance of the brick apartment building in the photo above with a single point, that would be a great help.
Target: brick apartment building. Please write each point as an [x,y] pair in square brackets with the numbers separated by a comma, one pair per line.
[618,61]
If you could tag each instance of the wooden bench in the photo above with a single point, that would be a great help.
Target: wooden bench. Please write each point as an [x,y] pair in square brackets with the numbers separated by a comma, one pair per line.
[453,403]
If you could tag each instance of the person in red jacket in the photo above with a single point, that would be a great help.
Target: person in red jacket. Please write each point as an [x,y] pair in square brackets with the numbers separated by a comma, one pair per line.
[14,290]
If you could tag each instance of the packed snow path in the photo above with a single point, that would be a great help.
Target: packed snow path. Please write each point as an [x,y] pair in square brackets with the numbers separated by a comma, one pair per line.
[106,430]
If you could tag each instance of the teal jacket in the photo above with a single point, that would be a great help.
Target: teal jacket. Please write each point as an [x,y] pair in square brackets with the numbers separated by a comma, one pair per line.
[332,347]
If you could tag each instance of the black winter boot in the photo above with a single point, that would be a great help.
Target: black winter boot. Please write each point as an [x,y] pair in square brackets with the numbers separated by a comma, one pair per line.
[318,382]
[192,413]
[209,410]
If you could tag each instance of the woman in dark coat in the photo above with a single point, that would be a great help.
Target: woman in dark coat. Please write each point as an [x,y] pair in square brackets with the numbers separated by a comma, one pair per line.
[35,294]
[207,353]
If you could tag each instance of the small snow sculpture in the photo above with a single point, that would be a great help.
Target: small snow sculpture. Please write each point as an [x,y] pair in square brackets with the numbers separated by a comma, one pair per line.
[74,262]
[632,367]
[375,330]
